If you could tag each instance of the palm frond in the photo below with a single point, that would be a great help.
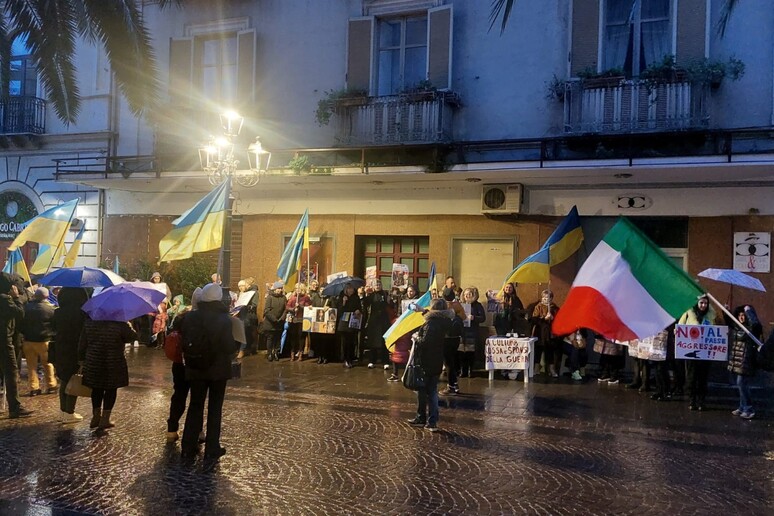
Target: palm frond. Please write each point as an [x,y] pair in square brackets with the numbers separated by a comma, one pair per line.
[725,16]
[500,8]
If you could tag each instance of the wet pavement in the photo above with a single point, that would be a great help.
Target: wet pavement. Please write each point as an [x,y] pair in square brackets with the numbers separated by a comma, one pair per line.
[304,438]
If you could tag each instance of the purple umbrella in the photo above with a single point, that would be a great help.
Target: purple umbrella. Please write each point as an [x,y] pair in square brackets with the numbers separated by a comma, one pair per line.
[123,302]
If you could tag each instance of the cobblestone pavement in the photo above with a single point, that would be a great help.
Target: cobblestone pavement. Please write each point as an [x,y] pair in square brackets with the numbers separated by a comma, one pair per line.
[310,439]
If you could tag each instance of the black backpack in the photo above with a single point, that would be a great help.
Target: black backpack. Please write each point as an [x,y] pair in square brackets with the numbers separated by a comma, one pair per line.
[197,351]
[765,357]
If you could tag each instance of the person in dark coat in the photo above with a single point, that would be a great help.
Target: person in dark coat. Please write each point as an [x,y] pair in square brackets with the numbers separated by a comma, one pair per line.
[101,349]
[467,349]
[11,309]
[741,359]
[428,352]
[24,298]
[348,303]
[377,304]
[274,319]
[38,331]
[68,324]
[210,321]
[180,385]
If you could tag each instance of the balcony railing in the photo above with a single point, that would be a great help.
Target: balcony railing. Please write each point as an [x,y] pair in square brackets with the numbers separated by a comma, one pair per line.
[23,115]
[415,118]
[618,106]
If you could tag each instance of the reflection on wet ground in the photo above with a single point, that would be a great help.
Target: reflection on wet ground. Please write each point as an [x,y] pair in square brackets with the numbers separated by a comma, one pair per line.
[304,438]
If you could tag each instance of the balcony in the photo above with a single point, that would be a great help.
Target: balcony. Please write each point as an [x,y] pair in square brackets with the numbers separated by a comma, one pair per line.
[611,106]
[22,116]
[413,118]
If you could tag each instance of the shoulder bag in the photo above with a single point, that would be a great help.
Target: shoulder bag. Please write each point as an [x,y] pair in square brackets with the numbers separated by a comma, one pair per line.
[414,376]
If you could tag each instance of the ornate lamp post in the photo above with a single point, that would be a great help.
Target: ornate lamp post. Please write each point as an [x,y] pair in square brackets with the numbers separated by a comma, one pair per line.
[218,160]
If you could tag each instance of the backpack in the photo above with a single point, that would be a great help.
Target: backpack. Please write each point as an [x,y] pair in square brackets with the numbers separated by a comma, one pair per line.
[197,351]
[765,356]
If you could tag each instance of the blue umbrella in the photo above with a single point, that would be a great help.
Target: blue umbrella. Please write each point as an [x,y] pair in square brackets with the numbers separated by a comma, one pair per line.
[81,277]
[123,302]
[733,277]
[284,336]
[336,287]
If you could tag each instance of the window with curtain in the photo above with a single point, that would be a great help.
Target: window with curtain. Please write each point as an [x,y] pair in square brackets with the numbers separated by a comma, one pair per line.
[402,54]
[638,33]
[24,76]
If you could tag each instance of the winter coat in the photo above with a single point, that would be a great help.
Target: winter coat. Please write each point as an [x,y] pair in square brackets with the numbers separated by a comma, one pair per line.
[378,306]
[274,313]
[11,310]
[541,328]
[430,340]
[295,305]
[317,299]
[742,352]
[478,315]
[347,304]
[510,316]
[67,324]
[101,347]
[212,319]
[691,317]
[37,325]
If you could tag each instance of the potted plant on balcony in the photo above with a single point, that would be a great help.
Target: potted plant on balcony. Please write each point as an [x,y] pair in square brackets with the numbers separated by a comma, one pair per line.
[556,89]
[610,78]
[333,99]
[713,72]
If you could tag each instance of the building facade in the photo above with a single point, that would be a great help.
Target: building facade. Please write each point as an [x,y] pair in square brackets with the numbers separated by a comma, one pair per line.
[415,134]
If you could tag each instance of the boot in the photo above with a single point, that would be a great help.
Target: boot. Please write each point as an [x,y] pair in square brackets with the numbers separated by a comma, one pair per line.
[105,421]
[95,418]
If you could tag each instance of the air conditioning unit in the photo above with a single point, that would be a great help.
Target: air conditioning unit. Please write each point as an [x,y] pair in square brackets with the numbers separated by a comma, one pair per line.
[501,199]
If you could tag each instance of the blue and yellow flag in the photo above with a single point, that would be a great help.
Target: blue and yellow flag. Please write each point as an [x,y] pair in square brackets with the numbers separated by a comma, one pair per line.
[563,242]
[199,229]
[47,228]
[72,254]
[48,256]
[290,262]
[16,265]
[410,320]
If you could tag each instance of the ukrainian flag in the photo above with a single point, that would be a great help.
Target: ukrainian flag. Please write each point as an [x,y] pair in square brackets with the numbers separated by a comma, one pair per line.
[563,242]
[410,320]
[47,228]
[47,256]
[199,229]
[16,265]
[290,261]
[72,254]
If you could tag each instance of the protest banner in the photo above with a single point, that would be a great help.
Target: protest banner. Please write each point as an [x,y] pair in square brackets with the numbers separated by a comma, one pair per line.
[400,274]
[701,342]
[370,276]
[509,353]
[319,320]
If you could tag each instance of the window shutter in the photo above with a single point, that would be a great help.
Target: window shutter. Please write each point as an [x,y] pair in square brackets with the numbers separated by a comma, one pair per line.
[180,68]
[360,52]
[439,46]
[246,67]
[585,35]
[691,30]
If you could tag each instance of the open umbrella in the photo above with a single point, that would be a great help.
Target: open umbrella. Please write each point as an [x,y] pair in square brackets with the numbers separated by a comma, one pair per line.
[123,302]
[81,277]
[336,287]
[740,279]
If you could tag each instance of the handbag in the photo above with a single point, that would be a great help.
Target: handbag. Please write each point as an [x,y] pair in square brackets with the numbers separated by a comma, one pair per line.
[172,347]
[414,376]
[75,386]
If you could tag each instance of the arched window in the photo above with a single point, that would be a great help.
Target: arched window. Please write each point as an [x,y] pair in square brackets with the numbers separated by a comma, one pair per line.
[24,77]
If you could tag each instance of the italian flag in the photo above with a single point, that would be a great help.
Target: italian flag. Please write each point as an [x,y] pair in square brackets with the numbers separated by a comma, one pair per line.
[627,289]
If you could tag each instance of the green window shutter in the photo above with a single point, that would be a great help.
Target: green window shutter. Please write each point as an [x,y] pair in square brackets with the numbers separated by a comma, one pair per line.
[691,30]
[180,68]
[246,67]
[360,40]
[439,48]
[585,35]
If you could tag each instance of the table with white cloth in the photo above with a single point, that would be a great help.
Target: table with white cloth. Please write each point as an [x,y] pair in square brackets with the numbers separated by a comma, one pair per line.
[510,353]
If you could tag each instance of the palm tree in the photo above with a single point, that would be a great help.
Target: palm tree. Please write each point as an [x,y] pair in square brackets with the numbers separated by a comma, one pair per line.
[503,8]
[52,28]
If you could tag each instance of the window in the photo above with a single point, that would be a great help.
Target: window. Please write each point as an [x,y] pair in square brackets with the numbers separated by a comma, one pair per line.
[637,34]
[402,54]
[384,251]
[24,77]
[215,61]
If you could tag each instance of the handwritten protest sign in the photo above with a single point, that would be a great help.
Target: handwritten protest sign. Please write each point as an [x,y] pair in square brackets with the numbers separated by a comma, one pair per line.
[507,353]
[701,342]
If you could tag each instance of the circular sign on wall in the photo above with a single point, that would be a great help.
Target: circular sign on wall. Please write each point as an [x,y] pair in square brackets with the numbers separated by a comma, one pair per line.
[15,210]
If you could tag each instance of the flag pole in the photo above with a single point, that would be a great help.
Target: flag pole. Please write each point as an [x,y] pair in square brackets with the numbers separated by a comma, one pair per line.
[741,326]
[224,259]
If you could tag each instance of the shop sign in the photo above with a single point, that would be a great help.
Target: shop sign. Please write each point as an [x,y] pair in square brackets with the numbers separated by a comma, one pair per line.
[16,209]
[752,252]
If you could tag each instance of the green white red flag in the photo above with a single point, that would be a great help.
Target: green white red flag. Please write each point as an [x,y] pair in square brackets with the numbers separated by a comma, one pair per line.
[626,289]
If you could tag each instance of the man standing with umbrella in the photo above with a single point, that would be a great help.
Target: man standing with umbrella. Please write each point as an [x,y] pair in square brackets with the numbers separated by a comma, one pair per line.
[209,330]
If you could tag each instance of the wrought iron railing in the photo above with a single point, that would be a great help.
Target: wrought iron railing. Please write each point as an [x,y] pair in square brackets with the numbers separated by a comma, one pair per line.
[414,118]
[618,106]
[23,115]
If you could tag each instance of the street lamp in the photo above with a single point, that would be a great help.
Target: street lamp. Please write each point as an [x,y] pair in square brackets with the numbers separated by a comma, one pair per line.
[218,160]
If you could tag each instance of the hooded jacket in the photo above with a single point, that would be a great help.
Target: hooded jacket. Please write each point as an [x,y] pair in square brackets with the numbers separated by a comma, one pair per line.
[211,318]
[430,340]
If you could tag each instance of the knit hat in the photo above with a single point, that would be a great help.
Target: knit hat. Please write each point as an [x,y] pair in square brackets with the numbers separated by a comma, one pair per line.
[156,275]
[196,296]
[211,292]
[278,284]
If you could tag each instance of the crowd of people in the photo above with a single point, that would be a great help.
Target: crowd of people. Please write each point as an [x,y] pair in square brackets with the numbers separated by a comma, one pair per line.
[52,332]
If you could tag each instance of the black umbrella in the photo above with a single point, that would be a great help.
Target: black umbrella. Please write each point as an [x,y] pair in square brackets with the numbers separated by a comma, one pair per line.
[336,287]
